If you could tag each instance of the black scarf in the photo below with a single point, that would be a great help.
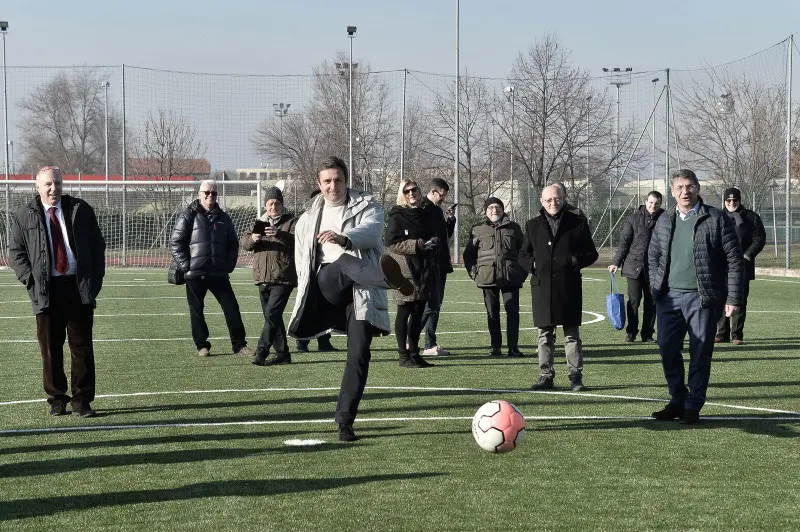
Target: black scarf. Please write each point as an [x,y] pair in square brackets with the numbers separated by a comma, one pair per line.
[408,222]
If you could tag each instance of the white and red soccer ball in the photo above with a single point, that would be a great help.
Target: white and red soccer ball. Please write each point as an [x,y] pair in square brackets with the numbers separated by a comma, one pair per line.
[498,426]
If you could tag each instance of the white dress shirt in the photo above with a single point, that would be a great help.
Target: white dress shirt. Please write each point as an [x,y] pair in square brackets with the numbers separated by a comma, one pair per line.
[63,228]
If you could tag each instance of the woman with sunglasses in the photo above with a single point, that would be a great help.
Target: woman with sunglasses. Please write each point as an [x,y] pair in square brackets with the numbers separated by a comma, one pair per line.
[410,239]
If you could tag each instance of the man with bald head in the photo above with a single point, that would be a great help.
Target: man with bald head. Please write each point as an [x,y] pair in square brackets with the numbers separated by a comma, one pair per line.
[58,253]
[205,247]
[556,246]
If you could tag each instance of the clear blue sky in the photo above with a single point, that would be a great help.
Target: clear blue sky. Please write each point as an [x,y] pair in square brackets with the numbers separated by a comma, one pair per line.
[289,37]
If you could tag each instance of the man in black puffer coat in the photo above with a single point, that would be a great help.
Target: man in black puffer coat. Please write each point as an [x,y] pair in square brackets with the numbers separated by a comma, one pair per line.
[632,256]
[696,274]
[205,247]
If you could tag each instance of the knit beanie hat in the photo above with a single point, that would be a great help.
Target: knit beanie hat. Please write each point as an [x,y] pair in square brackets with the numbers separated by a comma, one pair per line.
[273,193]
[732,193]
[491,200]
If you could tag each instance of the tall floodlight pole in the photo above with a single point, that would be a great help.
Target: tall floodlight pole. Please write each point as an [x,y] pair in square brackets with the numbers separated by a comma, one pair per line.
[510,92]
[618,79]
[403,128]
[11,157]
[351,33]
[457,155]
[3,30]
[588,141]
[653,173]
[666,144]
[788,235]
[281,110]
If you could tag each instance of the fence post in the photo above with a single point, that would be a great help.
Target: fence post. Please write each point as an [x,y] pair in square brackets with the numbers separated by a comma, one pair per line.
[790,45]
[124,176]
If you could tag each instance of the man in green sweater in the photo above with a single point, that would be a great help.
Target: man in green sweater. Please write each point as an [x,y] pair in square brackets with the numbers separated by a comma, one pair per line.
[696,274]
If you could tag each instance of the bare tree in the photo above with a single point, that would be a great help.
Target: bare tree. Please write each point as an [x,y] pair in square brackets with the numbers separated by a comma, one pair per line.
[63,124]
[167,146]
[553,102]
[322,129]
[734,129]
[474,102]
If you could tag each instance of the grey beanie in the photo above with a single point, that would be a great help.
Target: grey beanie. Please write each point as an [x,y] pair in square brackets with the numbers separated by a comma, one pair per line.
[273,193]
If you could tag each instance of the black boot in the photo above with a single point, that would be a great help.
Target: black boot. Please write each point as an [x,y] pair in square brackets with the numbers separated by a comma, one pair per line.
[406,361]
[415,356]
[275,359]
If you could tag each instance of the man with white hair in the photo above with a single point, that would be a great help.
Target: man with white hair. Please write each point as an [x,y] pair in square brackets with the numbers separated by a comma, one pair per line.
[58,253]
[205,247]
[556,246]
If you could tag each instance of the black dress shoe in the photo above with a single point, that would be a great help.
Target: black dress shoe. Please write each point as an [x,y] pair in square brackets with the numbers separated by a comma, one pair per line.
[495,352]
[544,383]
[669,412]
[302,346]
[274,359]
[346,433]
[690,417]
[515,352]
[421,362]
[58,408]
[630,338]
[85,411]
[577,384]
[326,348]
[649,340]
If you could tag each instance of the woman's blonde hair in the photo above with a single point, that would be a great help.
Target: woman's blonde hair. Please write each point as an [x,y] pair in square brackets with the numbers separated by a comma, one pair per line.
[401,198]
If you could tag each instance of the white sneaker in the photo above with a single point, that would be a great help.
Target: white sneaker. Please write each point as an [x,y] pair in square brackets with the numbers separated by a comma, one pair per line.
[435,351]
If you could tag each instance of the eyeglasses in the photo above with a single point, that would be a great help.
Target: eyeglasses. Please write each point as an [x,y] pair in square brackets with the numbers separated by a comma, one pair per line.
[687,188]
[495,208]
[212,193]
[412,190]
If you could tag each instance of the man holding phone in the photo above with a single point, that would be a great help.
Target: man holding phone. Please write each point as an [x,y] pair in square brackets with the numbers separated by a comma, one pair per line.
[446,223]
[272,244]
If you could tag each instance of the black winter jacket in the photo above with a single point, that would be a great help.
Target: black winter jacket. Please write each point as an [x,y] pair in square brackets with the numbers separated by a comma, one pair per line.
[444,230]
[491,255]
[752,236]
[634,239]
[717,257]
[204,243]
[30,254]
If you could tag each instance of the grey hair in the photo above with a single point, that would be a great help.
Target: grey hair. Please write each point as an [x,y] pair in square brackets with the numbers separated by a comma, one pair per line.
[685,174]
[212,185]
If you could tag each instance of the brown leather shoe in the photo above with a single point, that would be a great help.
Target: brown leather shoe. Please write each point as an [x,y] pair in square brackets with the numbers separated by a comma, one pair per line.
[737,342]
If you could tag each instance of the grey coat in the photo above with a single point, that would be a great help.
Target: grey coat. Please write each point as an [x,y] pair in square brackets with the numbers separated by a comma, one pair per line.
[717,257]
[31,257]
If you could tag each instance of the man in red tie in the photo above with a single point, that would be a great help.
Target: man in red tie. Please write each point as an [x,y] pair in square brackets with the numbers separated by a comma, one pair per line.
[58,253]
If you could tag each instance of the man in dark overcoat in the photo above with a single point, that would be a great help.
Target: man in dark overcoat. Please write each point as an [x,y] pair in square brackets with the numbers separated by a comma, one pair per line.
[556,246]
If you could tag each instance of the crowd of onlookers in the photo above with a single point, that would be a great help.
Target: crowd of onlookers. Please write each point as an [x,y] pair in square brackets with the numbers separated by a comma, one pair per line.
[689,269]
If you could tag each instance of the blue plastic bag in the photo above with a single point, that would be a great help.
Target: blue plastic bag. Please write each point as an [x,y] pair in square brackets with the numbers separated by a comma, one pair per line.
[615,305]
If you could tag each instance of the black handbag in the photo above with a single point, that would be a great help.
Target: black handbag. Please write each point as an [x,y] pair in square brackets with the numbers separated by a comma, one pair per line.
[175,274]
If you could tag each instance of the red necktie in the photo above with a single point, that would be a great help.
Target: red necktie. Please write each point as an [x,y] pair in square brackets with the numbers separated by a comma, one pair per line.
[59,249]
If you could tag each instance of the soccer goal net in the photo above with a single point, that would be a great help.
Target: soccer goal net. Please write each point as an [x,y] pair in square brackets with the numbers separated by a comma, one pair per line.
[137,218]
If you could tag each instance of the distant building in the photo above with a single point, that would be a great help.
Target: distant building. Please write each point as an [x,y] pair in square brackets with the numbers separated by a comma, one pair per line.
[261,174]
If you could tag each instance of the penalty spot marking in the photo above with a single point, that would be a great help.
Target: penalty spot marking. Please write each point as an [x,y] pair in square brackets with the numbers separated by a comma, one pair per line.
[303,443]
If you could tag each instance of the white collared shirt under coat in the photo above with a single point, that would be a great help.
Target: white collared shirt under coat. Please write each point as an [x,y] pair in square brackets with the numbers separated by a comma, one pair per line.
[63,229]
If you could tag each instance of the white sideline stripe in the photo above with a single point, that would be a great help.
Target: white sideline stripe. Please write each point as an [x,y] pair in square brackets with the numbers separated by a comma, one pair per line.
[96,428]
[410,388]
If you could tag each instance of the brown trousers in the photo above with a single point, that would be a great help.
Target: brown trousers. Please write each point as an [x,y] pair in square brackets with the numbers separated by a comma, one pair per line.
[67,319]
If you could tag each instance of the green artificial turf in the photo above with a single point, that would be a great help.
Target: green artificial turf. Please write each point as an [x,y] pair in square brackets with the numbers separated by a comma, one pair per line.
[202,447]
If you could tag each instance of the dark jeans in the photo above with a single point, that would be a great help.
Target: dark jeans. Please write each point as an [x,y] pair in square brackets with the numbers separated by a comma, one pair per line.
[491,298]
[67,319]
[679,313]
[733,328]
[273,302]
[430,317]
[636,289]
[196,290]
[335,282]
[408,325]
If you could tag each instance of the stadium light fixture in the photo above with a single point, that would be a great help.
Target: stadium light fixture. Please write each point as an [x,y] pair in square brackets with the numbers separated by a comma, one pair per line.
[281,110]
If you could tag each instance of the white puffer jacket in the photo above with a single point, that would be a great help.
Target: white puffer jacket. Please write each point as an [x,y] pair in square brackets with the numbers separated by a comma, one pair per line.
[362,223]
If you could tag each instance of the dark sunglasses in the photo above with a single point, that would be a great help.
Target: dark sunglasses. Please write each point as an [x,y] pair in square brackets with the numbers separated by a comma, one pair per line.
[211,193]
[411,190]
